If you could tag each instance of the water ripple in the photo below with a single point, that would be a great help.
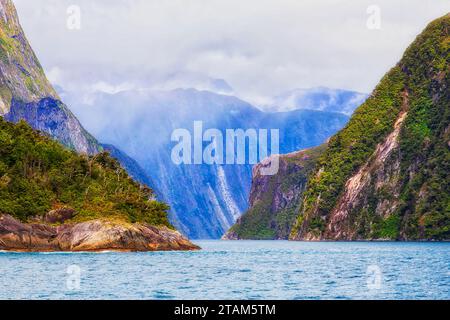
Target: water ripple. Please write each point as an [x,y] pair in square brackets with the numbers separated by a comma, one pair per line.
[236,270]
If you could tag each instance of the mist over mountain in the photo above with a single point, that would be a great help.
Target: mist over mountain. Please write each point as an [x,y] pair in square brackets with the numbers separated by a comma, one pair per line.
[205,199]
[320,99]
[137,124]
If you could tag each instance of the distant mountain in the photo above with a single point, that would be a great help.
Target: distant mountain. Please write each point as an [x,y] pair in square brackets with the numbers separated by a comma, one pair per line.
[205,199]
[319,99]
[386,174]
[25,92]
[189,80]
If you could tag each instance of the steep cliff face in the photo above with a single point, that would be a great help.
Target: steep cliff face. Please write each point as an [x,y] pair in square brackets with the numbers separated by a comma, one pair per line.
[25,92]
[205,199]
[275,199]
[386,174]
[21,74]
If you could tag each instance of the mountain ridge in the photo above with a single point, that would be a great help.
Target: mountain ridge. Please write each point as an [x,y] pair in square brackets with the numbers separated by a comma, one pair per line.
[141,124]
[385,175]
[26,93]
[275,200]
[58,189]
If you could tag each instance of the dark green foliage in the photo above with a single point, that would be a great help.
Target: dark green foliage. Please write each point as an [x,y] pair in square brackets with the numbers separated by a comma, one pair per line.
[38,174]
[256,224]
[351,147]
[422,80]
[317,225]
[388,228]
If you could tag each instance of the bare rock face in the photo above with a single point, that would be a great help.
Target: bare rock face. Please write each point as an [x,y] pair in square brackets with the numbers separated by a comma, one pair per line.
[377,178]
[52,117]
[94,236]
[15,235]
[275,199]
[25,92]
[21,75]
[382,172]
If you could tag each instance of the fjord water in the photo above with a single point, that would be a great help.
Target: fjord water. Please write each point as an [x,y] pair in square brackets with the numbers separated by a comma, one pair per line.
[236,270]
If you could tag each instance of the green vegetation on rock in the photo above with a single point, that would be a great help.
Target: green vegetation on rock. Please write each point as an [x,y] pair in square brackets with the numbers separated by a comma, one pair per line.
[37,174]
[425,137]
[419,194]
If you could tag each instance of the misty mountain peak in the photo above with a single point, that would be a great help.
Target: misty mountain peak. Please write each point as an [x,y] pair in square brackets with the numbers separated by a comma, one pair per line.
[320,99]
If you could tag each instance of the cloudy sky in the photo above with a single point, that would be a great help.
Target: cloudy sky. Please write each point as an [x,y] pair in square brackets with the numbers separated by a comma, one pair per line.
[260,47]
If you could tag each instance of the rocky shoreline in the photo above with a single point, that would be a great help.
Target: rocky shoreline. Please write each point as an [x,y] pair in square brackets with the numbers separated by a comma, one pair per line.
[90,236]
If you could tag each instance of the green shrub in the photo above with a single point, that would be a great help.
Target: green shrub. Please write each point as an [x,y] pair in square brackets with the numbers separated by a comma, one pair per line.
[38,174]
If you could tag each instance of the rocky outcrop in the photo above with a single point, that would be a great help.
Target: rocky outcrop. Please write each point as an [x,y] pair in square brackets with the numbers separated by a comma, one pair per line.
[97,235]
[275,199]
[59,215]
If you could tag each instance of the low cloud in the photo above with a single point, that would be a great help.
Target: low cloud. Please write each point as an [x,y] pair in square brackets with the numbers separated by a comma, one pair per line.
[260,47]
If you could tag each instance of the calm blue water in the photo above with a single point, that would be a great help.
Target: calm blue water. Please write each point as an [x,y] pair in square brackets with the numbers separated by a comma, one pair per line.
[236,270]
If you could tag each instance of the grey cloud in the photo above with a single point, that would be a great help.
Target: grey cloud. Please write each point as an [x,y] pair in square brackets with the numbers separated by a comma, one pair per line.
[260,47]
